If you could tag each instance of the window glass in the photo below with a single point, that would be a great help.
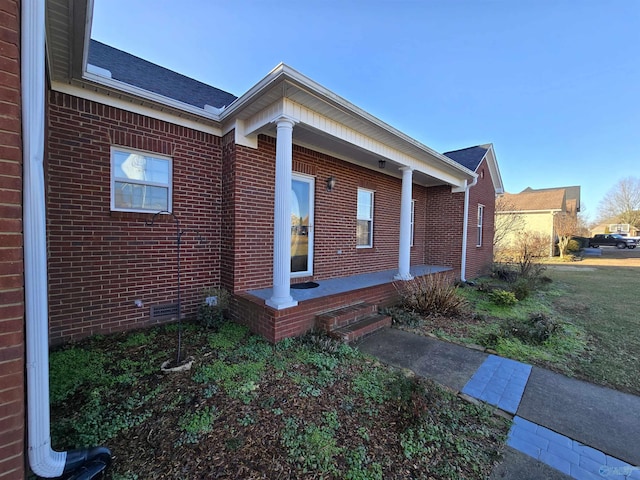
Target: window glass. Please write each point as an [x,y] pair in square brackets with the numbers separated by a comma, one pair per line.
[140,182]
[480,222]
[364,232]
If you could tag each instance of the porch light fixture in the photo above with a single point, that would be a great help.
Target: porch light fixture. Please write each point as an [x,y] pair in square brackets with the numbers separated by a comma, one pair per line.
[331,183]
[382,163]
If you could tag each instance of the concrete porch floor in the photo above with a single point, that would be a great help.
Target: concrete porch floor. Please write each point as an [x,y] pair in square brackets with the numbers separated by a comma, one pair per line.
[335,286]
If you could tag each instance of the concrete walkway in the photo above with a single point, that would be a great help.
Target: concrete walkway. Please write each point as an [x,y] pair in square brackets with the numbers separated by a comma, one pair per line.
[563,428]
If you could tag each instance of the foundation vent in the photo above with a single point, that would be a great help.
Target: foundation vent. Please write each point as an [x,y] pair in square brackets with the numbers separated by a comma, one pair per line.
[164,312]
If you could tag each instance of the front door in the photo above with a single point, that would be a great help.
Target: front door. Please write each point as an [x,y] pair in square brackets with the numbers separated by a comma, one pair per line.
[302,188]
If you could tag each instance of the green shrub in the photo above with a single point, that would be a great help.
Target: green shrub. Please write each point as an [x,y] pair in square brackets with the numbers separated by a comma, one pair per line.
[521,289]
[431,294]
[211,315]
[573,246]
[535,330]
[503,298]
[504,271]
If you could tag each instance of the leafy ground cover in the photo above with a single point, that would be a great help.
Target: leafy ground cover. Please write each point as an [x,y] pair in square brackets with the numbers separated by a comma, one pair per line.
[304,408]
[580,324]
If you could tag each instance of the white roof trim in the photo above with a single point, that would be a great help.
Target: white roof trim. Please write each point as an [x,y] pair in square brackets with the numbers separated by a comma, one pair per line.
[284,72]
[147,95]
[113,101]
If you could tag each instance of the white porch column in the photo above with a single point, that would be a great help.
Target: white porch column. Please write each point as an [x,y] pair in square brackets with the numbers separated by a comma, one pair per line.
[404,254]
[281,297]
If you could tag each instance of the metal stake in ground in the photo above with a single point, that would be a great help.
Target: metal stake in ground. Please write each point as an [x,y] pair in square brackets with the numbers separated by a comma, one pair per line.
[179,233]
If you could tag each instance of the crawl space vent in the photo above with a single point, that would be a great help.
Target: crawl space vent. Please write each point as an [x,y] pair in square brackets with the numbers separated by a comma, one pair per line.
[164,312]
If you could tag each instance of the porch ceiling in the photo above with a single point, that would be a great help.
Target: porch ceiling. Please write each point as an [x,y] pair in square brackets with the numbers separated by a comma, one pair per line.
[313,139]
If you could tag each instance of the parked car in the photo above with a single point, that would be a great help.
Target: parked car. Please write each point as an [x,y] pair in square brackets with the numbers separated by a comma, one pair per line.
[611,240]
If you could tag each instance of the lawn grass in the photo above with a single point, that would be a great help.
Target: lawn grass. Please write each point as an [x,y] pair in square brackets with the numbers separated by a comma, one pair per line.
[604,302]
[591,311]
[304,408]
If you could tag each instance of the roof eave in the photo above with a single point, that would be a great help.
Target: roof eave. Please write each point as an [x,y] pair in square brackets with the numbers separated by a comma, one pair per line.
[283,73]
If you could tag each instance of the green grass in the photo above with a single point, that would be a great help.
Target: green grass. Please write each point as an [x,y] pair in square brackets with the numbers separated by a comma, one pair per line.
[596,336]
[601,301]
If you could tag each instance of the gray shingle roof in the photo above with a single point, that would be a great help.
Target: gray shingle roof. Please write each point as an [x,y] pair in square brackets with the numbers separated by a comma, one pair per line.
[468,157]
[140,73]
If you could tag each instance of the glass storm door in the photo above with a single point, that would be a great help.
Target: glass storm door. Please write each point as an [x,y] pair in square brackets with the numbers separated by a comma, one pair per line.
[301,225]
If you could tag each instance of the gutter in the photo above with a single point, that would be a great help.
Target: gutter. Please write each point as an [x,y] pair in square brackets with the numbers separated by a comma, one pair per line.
[45,462]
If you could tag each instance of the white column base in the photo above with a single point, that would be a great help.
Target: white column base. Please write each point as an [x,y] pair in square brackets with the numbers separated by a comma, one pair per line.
[403,276]
[281,303]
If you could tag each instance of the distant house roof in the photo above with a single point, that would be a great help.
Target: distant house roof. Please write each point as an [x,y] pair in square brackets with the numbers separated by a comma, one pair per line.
[470,157]
[140,73]
[572,194]
[535,200]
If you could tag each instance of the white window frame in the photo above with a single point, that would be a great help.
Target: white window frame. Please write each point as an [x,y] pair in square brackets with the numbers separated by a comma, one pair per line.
[369,219]
[413,213]
[480,225]
[114,179]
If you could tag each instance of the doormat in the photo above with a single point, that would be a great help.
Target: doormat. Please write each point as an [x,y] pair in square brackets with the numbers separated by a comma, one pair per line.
[304,285]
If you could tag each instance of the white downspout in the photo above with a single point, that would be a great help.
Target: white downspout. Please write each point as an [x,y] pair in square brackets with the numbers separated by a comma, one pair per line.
[44,461]
[465,230]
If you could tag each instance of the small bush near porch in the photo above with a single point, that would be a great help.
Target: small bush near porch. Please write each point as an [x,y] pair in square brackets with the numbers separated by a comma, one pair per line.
[304,408]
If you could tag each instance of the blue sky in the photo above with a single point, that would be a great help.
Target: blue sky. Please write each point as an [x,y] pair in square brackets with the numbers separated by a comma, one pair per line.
[553,84]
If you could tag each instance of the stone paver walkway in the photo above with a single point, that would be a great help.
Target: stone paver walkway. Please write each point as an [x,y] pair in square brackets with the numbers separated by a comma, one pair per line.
[569,456]
[501,382]
[562,427]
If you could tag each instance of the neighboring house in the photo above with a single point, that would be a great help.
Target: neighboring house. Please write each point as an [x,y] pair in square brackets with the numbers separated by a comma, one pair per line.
[612,226]
[536,210]
[287,184]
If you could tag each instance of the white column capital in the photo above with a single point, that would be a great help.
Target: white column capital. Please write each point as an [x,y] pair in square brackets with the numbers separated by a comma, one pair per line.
[406,169]
[285,121]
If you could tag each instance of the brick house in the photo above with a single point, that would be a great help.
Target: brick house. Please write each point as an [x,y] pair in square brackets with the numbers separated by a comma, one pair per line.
[287,185]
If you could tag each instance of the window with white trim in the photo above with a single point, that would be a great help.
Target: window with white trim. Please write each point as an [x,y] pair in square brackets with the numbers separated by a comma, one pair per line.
[140,182]
[413,211]
[480,222]
[364,233]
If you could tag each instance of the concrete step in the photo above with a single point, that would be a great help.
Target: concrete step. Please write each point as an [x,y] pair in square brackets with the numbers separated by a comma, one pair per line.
[344,316]
[361,328]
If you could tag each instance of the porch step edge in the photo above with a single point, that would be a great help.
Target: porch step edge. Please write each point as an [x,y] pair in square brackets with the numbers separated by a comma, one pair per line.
[363,327]
[343,316]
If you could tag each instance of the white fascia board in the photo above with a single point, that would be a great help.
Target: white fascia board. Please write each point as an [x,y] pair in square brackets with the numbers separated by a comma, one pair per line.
[147,95]
[524,212]
[283,71]
[349,135]
[335,129]
[132,107]
[494,170]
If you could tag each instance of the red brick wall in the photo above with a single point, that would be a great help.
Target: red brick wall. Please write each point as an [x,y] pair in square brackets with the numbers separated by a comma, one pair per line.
[335,215]
[275,325]
[12,349]
[479,259]
[443,223]
[100,261]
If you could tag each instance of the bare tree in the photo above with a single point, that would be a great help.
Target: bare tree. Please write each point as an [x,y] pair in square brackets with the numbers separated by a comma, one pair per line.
[508,223]
[565,225]
[622,202]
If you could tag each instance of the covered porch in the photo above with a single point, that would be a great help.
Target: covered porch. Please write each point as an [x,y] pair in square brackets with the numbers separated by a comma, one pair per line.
[346,307]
